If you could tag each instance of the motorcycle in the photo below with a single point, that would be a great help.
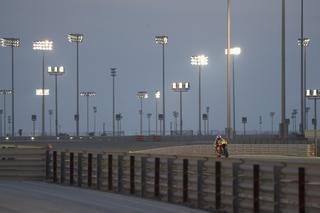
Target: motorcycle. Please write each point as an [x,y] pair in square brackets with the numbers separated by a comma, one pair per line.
[222,151]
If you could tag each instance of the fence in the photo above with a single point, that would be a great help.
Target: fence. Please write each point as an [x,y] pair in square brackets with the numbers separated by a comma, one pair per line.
[205,183]
[22,162]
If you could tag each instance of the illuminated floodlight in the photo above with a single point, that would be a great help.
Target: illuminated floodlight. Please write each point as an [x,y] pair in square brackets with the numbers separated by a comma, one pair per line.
[10,42]
[5,91]
[90,93]
[32,138]
[161,39]
[42,45]
[71,138]
[157,94]
[42,92]
[233,51]
[75,37]
[199,60]
[313,93]
[7,138]
[180,86]
[142,94]
[55,70]
[305,42]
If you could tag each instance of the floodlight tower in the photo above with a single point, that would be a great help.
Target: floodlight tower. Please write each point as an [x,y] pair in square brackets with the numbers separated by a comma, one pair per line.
[200,61]
[43,46]
[163,40]
[76,38]
[11,42]
[141,95]
[88,94]
[56,71]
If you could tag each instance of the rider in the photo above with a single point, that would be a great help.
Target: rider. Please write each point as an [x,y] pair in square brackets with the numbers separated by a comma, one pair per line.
[220,144]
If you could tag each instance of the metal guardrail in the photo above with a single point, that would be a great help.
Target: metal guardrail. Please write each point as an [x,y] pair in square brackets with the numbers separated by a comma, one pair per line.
[205,183]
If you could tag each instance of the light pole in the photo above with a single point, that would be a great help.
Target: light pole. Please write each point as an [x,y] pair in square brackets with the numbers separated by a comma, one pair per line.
[207,110]
[1,112]
[294,116]
[200,60]
[205,119]
[307,111]
[233,52]
[119,118]
[50,121]
[149,117]
[157,96]
[175,115]
[34,118]
[314,94]
[141,95]
[304,44]
[11,42]
[87,95]
[5,92]
[228,129]
[76,38]
[163,40]
[113,74]
[283,124]
[56,71]
[260,124]
[181,87]
[272,115]
[94,119]
[244,121]
[43,46]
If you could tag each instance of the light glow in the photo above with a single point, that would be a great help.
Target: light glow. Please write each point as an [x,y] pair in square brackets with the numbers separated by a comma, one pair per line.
[162,39]
[233,51]
[142,94]
[199,60]
[180,86]
[56,70]
[10,42]
[42,45]
[157,94]
[5,92]
[75,37]
[42,92]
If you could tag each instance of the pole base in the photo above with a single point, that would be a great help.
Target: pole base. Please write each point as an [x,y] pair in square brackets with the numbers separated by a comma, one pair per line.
[283,127]
[229,133]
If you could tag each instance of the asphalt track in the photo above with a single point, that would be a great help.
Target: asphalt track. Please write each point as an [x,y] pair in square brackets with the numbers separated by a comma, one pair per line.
[39,197]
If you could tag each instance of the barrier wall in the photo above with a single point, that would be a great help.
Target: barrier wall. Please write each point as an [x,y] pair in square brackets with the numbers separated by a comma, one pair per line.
[297,150]
[22,162]
[229,185]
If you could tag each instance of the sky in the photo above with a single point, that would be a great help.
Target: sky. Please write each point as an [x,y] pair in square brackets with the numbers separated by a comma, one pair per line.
[120,33]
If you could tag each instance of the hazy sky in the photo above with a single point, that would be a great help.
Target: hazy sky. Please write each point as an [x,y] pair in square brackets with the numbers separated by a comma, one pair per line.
[120,33]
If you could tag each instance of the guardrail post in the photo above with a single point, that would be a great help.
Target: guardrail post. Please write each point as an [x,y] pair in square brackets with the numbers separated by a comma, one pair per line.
[54,166]
[218,184]
[120,173]
[200,165]
[110,187]
[235,187]
[99,170]
[256,188]
[132,174]
[89,170]
[170,179]
[62,167]
[185,180]
[71,168]
[80,169]
[48,168]
[143,175]
[301,190]
[276,188]
[156,177]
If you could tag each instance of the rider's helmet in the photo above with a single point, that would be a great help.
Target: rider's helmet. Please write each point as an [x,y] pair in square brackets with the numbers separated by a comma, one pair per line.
[218,138]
